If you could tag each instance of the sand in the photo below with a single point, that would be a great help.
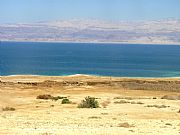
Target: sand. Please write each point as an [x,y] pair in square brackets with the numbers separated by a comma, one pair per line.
[141,114]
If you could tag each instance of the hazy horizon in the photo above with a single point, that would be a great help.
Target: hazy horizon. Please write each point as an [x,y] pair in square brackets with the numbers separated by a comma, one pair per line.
[20,11]
[91,20]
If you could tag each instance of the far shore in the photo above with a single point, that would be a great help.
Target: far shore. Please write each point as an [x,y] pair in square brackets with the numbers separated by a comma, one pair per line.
[87,75]
[161,84]
[96,42]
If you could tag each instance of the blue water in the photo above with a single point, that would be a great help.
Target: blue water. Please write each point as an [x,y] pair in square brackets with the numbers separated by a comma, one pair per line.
[58,59]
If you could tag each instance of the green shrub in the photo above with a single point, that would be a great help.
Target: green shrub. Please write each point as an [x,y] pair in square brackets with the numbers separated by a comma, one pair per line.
[89,102]
[8,109]
[66,101]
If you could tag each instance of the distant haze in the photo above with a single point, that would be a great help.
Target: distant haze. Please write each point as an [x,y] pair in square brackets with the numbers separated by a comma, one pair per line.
[77,30]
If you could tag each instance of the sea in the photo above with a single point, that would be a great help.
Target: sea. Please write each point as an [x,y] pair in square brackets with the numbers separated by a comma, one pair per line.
[101,59]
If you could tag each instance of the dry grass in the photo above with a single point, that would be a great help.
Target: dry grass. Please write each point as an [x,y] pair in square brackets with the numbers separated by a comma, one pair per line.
[140,103]
[133,98]
[105,104]
[94,117]
[128,98]
[121,102]
[126,102]
[171,97]
[157,106]
[125,125]
[104,113]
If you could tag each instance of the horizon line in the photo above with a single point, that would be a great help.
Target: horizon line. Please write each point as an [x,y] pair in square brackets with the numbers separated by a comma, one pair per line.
[95,19]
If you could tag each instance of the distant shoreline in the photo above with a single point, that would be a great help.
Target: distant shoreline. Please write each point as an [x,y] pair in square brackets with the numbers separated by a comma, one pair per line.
[84,42]
[153,84]
[87,75]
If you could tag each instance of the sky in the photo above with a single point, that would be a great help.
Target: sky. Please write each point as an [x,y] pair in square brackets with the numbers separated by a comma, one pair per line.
[17,11]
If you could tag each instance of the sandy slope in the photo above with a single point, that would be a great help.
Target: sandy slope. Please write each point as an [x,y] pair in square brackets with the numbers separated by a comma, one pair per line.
[34,116]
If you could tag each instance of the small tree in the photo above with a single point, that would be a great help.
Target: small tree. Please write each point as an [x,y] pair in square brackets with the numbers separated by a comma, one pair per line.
[89,102]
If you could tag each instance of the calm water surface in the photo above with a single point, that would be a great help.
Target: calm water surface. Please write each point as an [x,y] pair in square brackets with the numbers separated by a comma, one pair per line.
[85,58]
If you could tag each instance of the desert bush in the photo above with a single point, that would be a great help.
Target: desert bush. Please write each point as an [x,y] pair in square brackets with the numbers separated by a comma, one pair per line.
[57,98]
[45,96]
[168,124]
[66,101]
[89,102]
[8,109]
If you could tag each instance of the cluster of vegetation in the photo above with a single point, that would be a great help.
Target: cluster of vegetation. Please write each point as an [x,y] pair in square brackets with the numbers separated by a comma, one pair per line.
[158,106]
[47,97]
[89,102]
[8,109]
[65,100]
[126,102]
[58,97]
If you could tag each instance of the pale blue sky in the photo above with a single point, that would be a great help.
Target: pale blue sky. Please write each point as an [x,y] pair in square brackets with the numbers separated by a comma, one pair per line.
[13,11]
